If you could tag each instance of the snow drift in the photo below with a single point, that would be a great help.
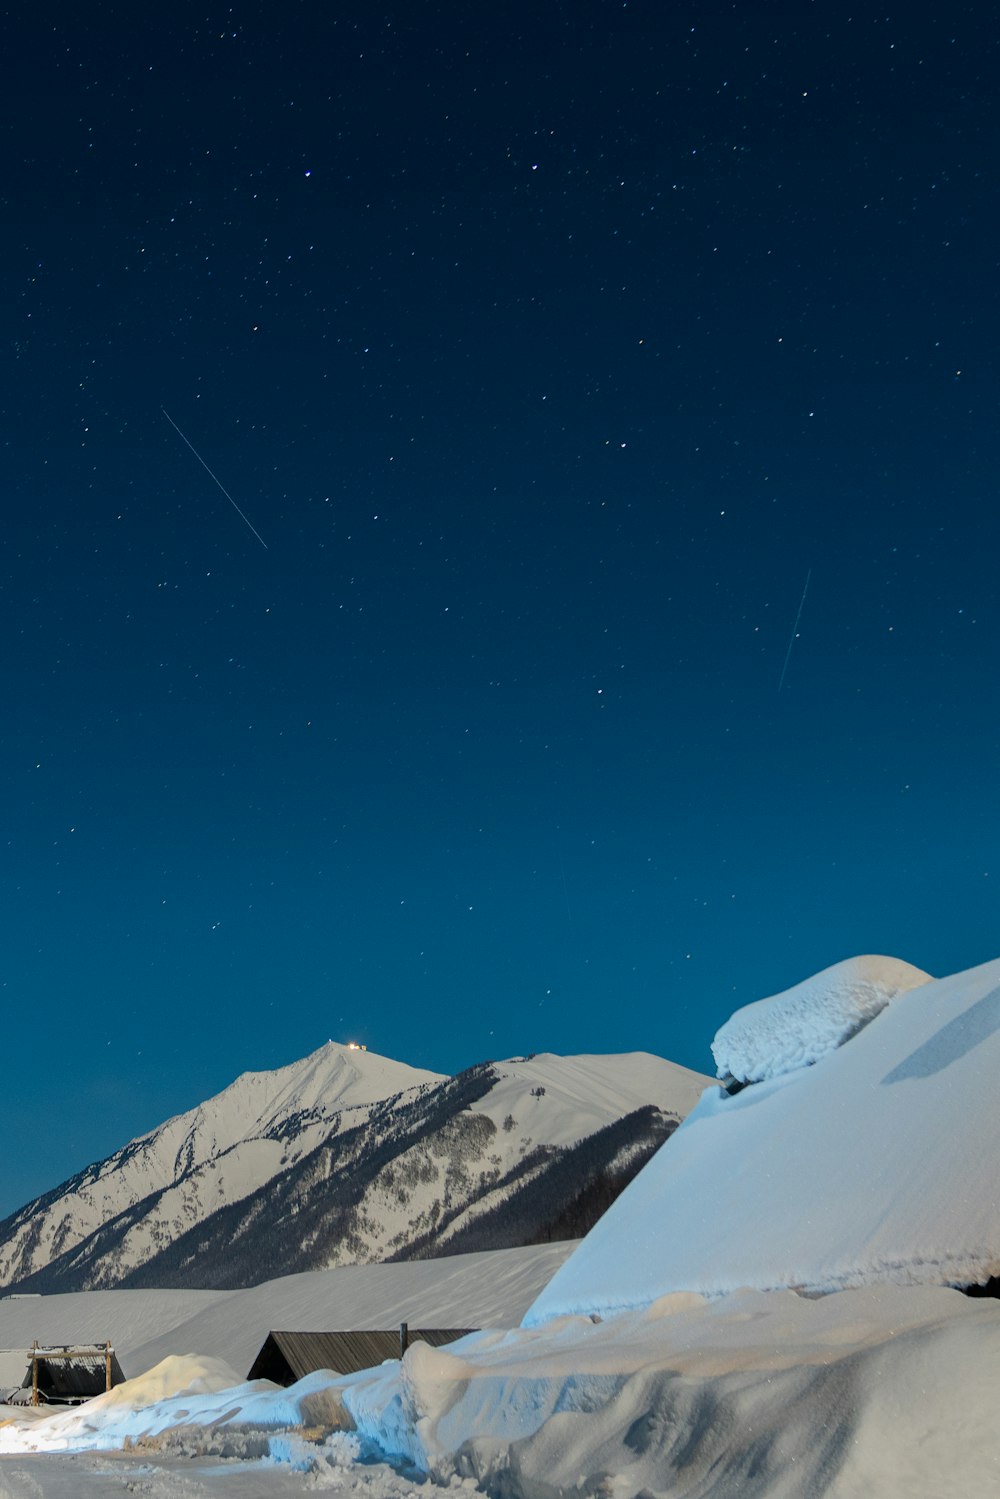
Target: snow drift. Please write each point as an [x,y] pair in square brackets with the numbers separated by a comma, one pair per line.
[886,1391]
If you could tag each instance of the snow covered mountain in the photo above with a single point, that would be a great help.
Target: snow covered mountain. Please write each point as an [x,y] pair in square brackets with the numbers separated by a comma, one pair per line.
[348,1157]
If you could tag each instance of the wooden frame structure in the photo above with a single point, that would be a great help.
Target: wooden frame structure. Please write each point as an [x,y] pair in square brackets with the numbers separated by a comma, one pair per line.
[87,1354]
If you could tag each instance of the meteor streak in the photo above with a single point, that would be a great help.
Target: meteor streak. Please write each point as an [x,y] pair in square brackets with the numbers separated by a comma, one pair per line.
[217,480]
[795,627]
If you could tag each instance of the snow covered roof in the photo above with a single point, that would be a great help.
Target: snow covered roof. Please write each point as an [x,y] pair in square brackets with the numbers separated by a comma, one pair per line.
[876,1164]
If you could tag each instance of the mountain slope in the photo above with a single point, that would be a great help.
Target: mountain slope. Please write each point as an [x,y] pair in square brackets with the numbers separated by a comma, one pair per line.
[350,1158]
[158,1185]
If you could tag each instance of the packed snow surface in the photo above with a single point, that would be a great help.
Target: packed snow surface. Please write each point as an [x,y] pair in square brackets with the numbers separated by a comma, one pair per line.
[796,1028]
[885,1391]
[877,1164]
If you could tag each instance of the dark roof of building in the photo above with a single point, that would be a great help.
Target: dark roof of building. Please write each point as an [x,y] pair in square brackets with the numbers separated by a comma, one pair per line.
[72,1373]
[288,1356]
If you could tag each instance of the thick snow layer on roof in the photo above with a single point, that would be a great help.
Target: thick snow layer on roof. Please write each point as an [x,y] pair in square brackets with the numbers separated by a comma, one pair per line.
[877,1164]
[796,1028]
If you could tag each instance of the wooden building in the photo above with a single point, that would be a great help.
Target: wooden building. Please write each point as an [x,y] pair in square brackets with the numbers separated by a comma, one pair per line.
[288,1356]
[70,1374]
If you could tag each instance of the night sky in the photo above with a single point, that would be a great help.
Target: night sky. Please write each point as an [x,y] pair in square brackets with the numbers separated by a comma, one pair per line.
[548,349]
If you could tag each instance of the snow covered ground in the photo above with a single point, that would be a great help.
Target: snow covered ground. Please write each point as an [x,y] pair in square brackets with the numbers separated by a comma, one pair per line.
[112,1475]
[884,1391]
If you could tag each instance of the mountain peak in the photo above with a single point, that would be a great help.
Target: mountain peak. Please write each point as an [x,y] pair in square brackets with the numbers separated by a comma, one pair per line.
[347,1156]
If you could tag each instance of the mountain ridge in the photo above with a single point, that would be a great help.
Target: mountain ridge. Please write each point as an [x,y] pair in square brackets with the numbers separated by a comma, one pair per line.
[343,1157]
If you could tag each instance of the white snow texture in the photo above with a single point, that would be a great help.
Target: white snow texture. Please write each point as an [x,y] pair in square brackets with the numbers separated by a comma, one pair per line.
[794,1029]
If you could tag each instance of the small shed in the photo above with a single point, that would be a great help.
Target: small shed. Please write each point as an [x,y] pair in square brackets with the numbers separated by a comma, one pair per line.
[71,1374]
[288,1356]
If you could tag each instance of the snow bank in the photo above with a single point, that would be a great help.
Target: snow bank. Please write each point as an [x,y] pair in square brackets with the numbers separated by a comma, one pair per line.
[887,1391]
[179,1397]
[796,1028]
[877,1164]
[176,1385]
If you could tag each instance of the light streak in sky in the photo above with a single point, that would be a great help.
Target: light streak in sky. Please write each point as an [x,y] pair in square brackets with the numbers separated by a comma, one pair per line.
[218,481]
[795,628]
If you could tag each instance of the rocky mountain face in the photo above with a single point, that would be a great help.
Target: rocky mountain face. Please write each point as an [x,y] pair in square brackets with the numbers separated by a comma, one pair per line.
[347,1157]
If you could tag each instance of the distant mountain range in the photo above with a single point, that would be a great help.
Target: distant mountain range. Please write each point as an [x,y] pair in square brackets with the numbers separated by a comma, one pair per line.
[347,1157]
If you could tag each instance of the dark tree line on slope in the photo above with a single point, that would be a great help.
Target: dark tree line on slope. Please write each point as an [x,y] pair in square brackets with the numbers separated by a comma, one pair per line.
[311,1212]
[288,1225]
[298,1220]
[556,1194]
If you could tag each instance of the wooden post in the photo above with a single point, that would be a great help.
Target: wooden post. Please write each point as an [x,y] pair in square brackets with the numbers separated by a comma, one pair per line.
[107,1366]
[404,1338]
[34,1372]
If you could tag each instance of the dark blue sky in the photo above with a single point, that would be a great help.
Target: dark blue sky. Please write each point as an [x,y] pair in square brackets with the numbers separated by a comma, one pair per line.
[549,348]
